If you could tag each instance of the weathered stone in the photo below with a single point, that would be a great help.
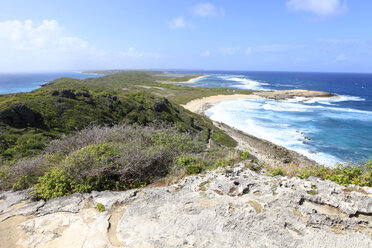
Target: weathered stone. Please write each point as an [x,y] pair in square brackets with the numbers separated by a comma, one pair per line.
[235,207]
[62,204]
[10,198]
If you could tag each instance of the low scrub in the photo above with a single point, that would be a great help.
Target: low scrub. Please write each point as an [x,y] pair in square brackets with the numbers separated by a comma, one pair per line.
[344,174]
[107,158]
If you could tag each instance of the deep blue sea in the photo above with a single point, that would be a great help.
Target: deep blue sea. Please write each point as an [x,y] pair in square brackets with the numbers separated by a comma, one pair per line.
[327,130]
[23,82]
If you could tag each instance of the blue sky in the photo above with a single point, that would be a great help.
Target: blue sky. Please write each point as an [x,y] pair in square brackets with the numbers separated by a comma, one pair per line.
[268,35]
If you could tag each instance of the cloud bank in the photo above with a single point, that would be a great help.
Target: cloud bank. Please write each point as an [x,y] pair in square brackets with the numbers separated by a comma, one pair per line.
[322,8]
[47,46]
[206,10]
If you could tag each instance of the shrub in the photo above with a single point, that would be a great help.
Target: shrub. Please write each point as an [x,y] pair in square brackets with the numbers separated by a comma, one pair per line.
[191,164]
[222,138]
[342,174]
[54,183]
[276,172]
[244,155]
[100,207]
[254,166]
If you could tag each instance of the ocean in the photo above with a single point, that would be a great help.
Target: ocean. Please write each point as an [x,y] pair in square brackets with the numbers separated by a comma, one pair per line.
[327,130]
[24,82]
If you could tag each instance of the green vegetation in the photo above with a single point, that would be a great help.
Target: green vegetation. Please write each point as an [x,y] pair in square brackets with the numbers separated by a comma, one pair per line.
[312,192]
[203,185]
[100,208]
[111,158]
[122,131]
[276,172]
[245,155]
[344,174]
[28,121]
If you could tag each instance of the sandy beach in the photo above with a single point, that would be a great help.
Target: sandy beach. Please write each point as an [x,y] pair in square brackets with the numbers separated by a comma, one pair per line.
[190,81]
[194,80]
[263,150]
[202,104]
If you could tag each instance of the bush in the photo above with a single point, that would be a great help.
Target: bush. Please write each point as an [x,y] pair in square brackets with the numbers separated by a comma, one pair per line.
[53,184]
[100,207]
[191,165]
[276,172]
[342,174]
[245,155]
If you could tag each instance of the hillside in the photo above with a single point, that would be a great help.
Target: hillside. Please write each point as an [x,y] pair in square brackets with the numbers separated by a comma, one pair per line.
[29,120]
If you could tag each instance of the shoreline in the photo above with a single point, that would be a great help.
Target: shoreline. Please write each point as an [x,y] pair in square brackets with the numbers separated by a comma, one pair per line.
[190,81]
[200,105]
[265,151]
[194,80]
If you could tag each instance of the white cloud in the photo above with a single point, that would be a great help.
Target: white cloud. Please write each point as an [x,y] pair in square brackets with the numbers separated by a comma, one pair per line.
[132,53]
[207,10]
[229,50]
[340,58]
[319,7]
[179,22]
[46,46]
[206,53]
[248,51]
[27,36]
[273,48]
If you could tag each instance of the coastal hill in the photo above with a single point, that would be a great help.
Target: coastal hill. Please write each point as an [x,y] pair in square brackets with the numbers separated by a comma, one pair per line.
[129,160]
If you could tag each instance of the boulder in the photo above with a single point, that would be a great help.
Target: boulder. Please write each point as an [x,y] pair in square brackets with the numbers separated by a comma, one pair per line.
[55,93]
[161,105]
[18,116]
[68,94]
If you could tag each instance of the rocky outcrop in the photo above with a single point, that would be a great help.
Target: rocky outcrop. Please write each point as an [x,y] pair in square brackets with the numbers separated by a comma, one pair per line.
[68,94]
[18,116]
[161,105]
[289,94]
[233,207]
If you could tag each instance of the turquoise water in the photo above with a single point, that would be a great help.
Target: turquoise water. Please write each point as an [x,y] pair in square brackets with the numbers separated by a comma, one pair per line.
[24,82]
[327,130]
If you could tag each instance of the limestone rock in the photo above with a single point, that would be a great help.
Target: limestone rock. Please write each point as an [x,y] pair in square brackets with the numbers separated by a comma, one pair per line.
[233,207]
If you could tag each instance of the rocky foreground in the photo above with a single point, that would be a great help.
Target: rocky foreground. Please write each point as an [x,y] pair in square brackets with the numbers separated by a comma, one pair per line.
[233,207]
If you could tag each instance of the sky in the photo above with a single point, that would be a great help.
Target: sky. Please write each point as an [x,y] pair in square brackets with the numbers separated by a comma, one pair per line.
[252,35]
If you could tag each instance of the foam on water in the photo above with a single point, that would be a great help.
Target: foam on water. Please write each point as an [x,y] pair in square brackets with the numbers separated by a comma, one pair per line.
[245,83]
[294,124]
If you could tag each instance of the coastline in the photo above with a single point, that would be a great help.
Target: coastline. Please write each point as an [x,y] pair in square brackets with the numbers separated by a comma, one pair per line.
[265,151]
[194,80]
[190,81]
[201,104]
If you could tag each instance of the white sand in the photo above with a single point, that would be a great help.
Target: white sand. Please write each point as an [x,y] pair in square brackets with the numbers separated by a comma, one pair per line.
[197,104]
